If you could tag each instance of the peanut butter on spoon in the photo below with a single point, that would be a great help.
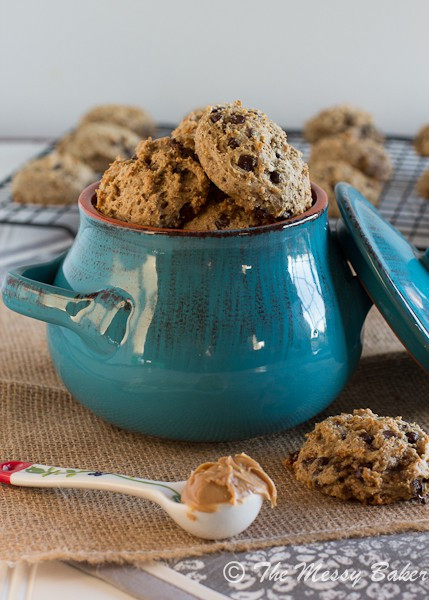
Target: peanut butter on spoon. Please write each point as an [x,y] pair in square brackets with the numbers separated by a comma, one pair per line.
[219,500]
[228,481]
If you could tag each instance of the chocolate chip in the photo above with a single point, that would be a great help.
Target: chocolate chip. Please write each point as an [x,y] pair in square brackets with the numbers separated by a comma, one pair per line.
[236,119]
[261,215]
[186,213]
[367,437]
[293,456]
[388,433]
[416,487]
[359,472]
[323,460]
[396,467]
[222,222]
[278,154]
[247,162]
[417,490]
[250,132]
[233,143]
[343,436]
[183,151]
[367,130]
[349,121]
[215,117]
[275,176]
[412,437]
[215,194]
[164,204]
[134,157]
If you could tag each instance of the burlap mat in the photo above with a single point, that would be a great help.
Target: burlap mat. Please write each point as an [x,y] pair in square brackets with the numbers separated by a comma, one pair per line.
[40,422]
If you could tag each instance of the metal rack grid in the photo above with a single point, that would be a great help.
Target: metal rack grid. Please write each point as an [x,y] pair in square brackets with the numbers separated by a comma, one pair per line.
[399,201]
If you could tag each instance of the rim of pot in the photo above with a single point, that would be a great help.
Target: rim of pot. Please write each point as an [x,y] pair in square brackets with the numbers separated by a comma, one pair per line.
[320,203]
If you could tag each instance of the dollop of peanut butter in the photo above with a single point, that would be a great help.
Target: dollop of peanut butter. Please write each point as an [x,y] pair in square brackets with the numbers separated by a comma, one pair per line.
[229,480]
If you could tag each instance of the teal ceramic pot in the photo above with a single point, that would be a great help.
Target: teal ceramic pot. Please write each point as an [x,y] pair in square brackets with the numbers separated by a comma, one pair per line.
[199,336]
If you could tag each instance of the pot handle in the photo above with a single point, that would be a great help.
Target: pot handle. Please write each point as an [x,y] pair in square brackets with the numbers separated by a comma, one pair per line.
[100,318]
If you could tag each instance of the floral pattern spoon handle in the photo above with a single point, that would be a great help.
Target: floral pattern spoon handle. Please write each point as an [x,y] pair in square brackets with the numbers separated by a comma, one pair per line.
[229,520]
[35,475]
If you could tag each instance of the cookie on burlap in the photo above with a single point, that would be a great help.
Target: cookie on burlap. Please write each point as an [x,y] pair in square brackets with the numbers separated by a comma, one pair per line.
[99,144]
[52,179]
[131,117]
[338,119]
[327,173]
[423,185]
[421,142]
[185,131]
[224,213]
[364,154]
[247,156]
[160,187]
[376,460]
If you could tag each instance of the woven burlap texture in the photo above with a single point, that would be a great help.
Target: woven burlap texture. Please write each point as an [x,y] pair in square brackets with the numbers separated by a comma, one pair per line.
[41,422]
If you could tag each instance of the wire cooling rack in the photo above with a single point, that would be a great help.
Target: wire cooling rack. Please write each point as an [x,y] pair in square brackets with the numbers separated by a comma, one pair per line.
[399,201]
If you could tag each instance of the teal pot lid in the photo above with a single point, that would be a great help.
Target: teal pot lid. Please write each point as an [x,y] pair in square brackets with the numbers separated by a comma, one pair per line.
[394,273]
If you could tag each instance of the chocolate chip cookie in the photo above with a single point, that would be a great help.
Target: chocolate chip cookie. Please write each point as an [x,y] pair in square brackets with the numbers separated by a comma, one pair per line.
[98,144]
[130,117]
[423,185]
[337,119]
[53,179]
[185,131]
[327,173]
[376,460]
[162,186]
[247,156]
[224,213]
[363,154]
[421,143]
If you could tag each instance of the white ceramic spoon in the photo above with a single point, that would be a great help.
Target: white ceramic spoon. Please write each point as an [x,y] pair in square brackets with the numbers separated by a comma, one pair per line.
[228,520]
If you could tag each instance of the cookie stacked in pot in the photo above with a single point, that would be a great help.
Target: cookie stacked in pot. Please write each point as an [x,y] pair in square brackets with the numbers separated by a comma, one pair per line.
[224,167]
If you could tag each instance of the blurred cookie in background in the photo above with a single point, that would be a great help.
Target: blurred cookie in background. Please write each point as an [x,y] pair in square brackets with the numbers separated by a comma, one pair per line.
[52,179]
[185,131]
[131,117]
[423,185]
[363,154]
[327,173]
[338,119]
[421,141]
[99,144]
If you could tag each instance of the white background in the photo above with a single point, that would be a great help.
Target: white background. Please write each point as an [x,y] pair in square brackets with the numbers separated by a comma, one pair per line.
[290,58]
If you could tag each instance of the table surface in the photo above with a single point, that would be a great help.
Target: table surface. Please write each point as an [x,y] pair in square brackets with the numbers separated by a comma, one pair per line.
[349,566]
